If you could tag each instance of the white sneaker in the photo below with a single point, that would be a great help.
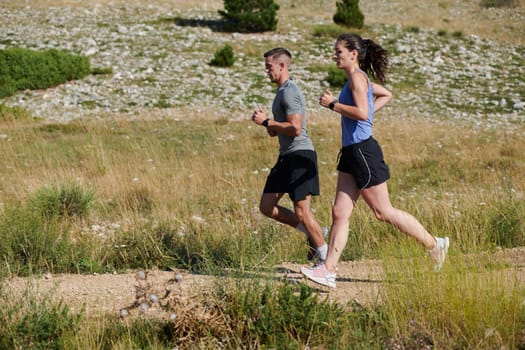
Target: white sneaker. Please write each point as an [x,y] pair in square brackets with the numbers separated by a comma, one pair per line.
[319,274]
[439,253]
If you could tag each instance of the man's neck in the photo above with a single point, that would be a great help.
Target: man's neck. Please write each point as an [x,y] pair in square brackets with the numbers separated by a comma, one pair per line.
[282,80]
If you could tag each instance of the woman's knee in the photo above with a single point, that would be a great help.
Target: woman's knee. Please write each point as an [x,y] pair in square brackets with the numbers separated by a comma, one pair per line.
[341,212]
[382,214]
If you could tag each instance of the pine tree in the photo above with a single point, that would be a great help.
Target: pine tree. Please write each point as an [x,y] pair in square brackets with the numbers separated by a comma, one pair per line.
[349,14]
[250,16]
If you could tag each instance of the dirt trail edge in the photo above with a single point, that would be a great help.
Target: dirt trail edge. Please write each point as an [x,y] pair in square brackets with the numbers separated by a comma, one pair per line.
[98,294]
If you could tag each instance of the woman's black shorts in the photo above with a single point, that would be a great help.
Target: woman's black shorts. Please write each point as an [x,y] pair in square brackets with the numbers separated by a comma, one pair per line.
[296,174]
[364,160]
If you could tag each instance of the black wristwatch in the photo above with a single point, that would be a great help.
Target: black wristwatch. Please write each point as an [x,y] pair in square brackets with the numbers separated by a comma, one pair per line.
[332,104]
[265,122]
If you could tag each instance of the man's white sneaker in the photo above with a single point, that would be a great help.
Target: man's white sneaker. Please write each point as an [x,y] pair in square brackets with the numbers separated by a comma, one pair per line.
[439,253]
[319,274]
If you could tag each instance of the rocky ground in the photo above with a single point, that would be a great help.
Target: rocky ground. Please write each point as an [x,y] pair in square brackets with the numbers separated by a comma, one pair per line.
[158,57]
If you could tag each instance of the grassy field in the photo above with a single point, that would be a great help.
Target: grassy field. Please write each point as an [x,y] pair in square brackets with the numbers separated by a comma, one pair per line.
[112,194]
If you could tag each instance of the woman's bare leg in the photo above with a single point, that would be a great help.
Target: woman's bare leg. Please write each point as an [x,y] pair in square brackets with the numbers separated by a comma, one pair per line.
[378,200]
[345,198]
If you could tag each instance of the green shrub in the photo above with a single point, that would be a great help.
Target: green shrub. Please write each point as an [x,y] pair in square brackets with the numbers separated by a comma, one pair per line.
[250,16]
[288,317]
[7,86]
[349,14]
[139,333]
[223,57]
[102,71]
[62,201]
[36,323]
[336,77]
[22,69]
[496,3]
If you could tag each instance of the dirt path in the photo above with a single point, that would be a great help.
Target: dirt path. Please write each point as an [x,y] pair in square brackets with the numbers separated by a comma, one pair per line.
[359,281]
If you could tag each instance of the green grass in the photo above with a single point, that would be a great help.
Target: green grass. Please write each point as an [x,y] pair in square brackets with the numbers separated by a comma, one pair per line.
[450,310]
[34,323]
[135,171]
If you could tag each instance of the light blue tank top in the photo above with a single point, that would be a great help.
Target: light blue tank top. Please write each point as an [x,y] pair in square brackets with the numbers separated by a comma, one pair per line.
[354,131]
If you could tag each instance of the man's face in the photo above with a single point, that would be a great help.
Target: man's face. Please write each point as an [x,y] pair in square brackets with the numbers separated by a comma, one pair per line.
[273,69]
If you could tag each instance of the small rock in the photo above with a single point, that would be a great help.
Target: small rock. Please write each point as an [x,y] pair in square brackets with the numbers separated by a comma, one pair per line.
[178,278]
[141,275]
[153,298]
[144,306]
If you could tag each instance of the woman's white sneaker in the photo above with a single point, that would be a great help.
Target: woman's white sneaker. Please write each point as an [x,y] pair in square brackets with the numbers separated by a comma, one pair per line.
[439,253]
[320,274]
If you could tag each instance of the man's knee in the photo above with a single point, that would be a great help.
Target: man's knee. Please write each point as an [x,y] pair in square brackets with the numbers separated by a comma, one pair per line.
[266,209]
[302,212]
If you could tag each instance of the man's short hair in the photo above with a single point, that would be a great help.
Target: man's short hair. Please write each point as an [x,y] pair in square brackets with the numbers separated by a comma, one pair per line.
[278,51]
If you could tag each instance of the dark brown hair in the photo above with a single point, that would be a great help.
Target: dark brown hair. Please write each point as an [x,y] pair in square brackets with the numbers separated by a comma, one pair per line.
[373,59]
[278,51]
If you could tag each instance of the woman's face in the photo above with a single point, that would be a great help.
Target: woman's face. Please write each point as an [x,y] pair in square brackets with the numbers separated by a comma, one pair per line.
[342,56]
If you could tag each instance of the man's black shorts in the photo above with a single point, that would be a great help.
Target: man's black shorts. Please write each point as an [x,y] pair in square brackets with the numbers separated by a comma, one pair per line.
[296,174]
[364,160]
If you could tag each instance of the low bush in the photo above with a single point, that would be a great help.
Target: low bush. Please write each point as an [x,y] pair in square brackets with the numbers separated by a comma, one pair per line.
[36,323]
[223,57]
[22,69]
[496,3]
[62,201]
[288,318]
[335,77]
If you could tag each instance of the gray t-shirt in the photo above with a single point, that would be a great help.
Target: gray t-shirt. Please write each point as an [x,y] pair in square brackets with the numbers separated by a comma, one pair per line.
[290,100]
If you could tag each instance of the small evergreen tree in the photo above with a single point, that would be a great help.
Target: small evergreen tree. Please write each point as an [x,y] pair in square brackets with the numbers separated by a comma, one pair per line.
[223,57]
[349,14]
[250,16]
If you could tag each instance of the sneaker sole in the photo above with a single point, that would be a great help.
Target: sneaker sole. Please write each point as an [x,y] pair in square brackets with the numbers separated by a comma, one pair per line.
[319,280]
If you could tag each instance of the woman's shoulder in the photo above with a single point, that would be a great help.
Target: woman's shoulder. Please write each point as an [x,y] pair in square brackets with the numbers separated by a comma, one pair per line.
[359,74]
[359,78]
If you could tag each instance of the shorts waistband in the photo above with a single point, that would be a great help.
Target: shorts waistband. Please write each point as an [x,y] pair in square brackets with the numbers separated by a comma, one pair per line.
[358,143]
